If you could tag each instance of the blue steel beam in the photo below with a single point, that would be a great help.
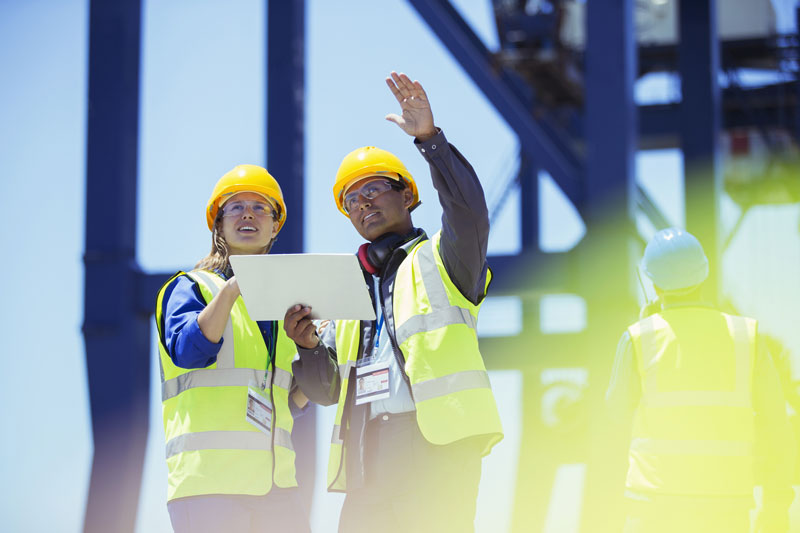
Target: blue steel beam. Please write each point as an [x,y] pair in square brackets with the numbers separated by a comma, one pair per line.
[529,187]
[699,66]
[117,337]
[605,274]
[466,47]
[611,114]
[285,71]
[647,206]
[148,286]
[797,81]
[771,106]
[532,273]
[285,99]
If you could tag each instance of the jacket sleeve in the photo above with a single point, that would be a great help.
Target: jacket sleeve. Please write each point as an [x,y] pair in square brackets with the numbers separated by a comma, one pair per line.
[183,339]
[774,440]
[624,389]
[316,370]
[465,218]
[622,397]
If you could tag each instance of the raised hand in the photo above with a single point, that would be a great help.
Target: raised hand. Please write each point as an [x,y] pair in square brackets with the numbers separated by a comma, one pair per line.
[417,118]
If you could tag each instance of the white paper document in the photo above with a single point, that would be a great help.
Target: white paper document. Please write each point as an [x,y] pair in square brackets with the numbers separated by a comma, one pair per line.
[331,284]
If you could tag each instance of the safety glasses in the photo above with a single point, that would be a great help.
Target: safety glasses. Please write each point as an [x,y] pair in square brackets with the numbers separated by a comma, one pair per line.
[237,208]
[369,190]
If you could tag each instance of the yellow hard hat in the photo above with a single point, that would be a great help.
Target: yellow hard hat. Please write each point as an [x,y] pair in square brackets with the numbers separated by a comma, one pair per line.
[370,161]
[246,178]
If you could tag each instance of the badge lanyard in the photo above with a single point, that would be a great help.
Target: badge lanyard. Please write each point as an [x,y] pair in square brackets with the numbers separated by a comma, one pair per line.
[272,341]
[259,405]
[372,378]
[378,332]
[380,315]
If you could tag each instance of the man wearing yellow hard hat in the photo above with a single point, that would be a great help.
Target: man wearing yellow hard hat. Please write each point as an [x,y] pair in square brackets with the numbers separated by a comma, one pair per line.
[415,408]
[227,390]
[704,401]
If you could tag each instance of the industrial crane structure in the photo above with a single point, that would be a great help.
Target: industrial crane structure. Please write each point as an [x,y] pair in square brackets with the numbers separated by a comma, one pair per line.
[563,79]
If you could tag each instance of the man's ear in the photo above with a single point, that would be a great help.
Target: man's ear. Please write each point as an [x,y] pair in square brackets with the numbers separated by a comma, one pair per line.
[408,198]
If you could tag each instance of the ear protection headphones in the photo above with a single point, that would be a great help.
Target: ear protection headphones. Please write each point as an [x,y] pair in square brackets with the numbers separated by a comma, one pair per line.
[373,255]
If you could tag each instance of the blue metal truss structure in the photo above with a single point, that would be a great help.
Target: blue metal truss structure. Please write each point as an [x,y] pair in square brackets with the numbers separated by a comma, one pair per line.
[117,330]
[584,134]
[700,112]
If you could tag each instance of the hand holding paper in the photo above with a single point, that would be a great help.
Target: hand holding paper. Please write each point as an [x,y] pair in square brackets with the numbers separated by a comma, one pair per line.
[299,327]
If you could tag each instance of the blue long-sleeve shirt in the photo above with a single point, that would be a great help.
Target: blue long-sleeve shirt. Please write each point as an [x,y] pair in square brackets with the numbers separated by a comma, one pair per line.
[186,344]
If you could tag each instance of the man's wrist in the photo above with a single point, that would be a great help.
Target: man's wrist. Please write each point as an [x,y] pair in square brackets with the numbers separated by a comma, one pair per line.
[316,338]
[427,136]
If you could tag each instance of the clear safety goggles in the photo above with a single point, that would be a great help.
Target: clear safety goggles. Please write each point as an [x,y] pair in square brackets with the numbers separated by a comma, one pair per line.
[369,190]
[237,208]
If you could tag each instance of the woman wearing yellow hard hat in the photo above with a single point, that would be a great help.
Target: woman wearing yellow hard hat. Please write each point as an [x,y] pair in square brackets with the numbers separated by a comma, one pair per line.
[227,388]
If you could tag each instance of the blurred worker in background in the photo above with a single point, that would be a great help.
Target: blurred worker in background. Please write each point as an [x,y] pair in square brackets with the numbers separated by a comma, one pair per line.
[705,404]
[407,451]
[227,388]
[782,359]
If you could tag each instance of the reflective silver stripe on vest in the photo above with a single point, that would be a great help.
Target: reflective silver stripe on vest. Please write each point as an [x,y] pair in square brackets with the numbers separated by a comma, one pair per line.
[439,318]
[161,367]
[728,448]
[335,437]
[460,381]
[744,348]
[442,313]
[434,285]
[283,439]
[344,369]
[210,377]
[218,440]
[225,357]
[283,379]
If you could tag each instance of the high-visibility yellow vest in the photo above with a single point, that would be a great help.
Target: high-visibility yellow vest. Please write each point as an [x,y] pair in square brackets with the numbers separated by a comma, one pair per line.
[693,429]
[211,448]
[435,328]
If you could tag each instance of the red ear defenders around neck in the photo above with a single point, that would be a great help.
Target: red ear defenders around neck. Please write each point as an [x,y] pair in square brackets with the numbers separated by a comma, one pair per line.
[373,255]
[363,258]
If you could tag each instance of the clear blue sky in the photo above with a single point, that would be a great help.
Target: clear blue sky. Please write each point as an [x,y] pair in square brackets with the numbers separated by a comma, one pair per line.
[202,112]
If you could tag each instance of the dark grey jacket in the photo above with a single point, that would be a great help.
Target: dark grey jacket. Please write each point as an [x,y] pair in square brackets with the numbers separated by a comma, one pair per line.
[465,233]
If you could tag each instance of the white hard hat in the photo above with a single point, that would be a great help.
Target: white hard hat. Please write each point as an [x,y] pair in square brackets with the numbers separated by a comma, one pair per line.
[674,259]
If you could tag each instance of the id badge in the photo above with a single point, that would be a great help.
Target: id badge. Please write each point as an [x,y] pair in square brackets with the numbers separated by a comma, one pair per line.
[259,409]
[372,382]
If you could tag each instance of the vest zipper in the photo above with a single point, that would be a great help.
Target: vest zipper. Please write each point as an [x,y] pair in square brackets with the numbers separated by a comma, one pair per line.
[271,358]
[345,421]
[274,424]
